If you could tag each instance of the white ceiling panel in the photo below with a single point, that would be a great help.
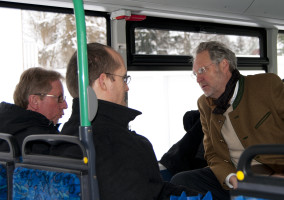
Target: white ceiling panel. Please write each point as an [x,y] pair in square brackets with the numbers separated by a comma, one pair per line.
[231,6]
[273,9]
[263,13]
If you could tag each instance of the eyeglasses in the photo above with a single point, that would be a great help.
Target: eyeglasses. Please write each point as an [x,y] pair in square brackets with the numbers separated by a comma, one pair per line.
[126,78]
[201,70]
[60,99]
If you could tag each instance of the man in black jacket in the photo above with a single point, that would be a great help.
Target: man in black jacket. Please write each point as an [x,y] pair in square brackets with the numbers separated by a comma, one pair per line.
[39,103]
[125,161]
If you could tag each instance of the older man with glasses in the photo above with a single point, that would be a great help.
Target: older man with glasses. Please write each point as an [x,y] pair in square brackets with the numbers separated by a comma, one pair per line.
[39,104]
[236,112]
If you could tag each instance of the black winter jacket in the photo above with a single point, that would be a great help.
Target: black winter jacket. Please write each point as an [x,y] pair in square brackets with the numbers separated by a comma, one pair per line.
[22,123]
[126,164]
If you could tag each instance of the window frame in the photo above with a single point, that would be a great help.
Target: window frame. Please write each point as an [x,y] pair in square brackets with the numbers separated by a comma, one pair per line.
[137,62]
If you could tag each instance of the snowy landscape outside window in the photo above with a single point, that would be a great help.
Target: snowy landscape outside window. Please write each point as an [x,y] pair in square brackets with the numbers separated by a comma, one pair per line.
[280,55]
[168,42]
[49,39]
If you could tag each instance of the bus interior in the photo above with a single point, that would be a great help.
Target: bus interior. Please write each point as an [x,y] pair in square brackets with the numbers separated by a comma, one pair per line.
[156,39]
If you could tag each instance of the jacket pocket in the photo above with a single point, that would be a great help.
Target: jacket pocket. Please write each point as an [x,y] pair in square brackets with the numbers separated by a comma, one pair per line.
[262,120]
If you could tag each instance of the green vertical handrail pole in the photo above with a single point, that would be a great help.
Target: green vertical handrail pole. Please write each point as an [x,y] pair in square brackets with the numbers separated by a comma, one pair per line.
[82,61]
[85,130]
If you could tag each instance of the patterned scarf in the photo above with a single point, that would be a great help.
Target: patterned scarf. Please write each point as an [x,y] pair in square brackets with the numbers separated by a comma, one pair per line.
[222,103]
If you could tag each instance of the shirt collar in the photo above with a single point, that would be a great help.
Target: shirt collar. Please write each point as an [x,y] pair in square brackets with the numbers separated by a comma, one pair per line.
[235,93]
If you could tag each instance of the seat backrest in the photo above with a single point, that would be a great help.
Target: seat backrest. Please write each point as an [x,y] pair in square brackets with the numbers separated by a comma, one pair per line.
[7,161]
[254,185]
[46,176]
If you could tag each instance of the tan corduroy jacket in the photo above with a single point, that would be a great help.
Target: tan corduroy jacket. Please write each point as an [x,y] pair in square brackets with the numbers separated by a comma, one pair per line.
[257,118]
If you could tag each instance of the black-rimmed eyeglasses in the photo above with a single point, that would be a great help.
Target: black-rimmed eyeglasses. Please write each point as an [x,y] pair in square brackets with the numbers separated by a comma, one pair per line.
[60,99]
[126,78]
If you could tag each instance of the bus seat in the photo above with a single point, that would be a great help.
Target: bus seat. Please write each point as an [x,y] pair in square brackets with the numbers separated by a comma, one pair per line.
[46,176]
[7,161]
[253,185]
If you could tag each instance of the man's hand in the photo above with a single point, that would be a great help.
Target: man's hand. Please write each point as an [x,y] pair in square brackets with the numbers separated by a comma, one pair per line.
[234,182]
[278,175]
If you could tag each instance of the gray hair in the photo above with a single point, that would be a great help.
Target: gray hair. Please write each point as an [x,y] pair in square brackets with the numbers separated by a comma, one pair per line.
[217,52]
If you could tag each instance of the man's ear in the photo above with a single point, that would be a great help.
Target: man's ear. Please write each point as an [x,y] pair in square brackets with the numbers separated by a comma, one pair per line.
[33,102]
[225,65]
[102,81]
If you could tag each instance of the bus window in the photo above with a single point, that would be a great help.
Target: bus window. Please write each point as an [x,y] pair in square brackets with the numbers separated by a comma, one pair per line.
[163,97]
[159,61]
[49,39]
[280,54]
[168,42]
[40,39]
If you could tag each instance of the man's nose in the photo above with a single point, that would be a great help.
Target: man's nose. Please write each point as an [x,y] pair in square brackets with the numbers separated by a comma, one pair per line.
[199,78]
[127,88]
[64,105]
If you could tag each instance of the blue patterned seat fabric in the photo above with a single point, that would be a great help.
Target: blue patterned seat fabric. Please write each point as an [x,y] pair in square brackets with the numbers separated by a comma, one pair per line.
[40,184]
[3,182]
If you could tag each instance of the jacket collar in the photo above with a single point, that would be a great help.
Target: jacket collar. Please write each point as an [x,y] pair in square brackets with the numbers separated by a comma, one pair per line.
[110,111]
[240,92]
[13,114]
